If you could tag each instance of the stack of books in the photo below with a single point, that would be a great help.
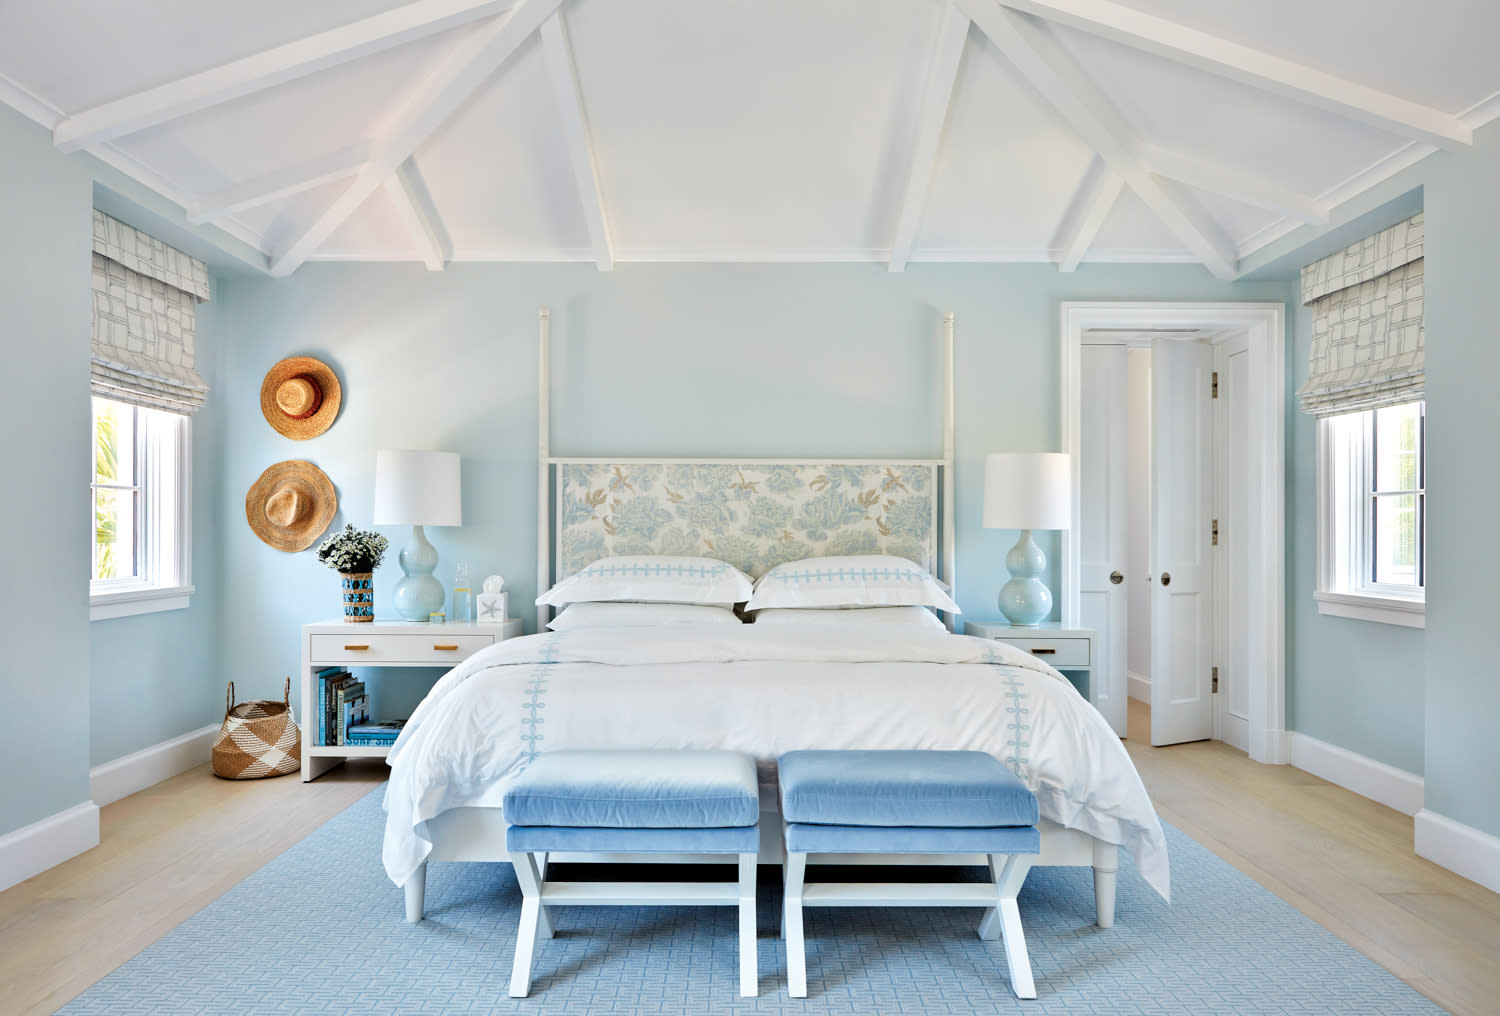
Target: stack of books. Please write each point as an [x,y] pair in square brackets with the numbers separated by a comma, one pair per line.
[342,703]
[381,735]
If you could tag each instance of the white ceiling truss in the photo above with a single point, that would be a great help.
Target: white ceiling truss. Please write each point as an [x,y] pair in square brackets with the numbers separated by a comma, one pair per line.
[1106,89]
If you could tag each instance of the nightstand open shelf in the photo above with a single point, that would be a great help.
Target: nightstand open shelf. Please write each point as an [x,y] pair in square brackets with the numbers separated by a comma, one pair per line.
[382,644]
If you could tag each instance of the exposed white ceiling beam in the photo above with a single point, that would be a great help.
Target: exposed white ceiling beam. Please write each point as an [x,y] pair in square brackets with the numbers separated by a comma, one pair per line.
[278,184]
[420,215]
[1033,49]
[1151,34]
[428,108]
[267,69]
[942,72]
[574,121]
[1095,199]
[1235,183]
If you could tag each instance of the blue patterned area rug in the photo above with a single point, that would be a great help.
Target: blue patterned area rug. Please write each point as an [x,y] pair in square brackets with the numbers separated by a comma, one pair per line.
[321,931]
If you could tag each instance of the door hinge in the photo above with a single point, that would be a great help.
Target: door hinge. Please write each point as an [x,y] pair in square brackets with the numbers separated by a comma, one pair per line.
[1215,672]
[1216,533]
[1214,385]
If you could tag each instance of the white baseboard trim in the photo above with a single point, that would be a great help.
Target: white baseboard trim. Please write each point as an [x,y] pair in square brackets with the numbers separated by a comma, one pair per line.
[137,771]
[1140,686]
[1387,785]
[33,849]
[1469,852]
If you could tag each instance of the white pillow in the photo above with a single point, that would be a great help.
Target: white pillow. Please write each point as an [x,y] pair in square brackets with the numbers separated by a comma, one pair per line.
[866,580]
[891,617]
[652,578]
[639,615]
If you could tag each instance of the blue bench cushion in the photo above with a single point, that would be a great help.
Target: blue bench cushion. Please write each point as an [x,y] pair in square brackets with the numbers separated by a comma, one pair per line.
[804,838]
[593,839]
[903,788]
[636,790]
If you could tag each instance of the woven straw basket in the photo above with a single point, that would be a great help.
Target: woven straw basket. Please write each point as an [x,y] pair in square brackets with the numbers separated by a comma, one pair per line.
[257,739]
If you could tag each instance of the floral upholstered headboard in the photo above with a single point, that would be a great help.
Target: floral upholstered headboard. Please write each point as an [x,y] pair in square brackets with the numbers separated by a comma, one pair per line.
[755,515]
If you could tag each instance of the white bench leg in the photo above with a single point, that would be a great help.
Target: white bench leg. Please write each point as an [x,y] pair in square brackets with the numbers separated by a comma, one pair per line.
[796,954]
[416,893]
[749,951]
[529,877]
[1009,875]
[544,916]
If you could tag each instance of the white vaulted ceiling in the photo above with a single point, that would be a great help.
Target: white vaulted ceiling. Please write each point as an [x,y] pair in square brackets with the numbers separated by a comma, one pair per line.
[773,130]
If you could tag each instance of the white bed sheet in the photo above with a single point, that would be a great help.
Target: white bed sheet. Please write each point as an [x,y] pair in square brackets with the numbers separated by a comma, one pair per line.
[762,692]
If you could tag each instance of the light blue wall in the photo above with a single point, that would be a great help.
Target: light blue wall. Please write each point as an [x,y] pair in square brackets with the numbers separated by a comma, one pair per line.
[156,676]
[1463,365]
[44,413]
[78,693]
[691,360]
[1355,684]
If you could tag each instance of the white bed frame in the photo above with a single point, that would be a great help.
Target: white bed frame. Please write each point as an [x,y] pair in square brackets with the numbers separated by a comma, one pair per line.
[478,834]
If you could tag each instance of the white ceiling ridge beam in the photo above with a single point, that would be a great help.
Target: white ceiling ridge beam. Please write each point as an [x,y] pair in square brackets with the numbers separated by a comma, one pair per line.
[1234,183]
[1096,197]
[573,119]
[268,68]
[1035,52]
[1256,68]
[937,97]
[277,184]
[414,204]
[429,106]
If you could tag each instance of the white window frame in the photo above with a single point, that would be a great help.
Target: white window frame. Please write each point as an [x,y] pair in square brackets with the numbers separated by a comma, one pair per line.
[1345,588]
[164,450]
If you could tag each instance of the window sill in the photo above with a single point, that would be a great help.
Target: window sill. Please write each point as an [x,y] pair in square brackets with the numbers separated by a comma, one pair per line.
[1380,609]
[140,600]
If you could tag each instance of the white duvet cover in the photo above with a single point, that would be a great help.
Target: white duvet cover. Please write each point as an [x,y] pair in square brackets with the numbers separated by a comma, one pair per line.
[761,692]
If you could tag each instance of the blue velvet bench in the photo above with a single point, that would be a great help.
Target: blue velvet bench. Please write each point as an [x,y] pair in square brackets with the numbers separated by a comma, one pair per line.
[696,803]
[908,802]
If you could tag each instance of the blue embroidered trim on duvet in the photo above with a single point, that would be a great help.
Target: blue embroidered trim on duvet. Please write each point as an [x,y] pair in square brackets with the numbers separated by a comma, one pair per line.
[532,704]
[1017,726]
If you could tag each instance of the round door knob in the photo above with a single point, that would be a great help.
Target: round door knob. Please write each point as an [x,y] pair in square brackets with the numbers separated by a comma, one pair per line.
[1116,578]
[1166,578]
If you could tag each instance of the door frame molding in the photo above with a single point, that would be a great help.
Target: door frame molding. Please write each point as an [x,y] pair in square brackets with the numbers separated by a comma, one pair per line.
[1265,324]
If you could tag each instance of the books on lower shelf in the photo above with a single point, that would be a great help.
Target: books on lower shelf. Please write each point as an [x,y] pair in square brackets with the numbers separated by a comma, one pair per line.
[344,713]
[382,734]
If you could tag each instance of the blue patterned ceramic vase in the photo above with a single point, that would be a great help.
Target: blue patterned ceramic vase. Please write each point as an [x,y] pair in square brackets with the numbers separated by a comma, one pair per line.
[359,596]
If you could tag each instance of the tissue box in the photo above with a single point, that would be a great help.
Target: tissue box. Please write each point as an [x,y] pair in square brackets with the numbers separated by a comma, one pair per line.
[490,608]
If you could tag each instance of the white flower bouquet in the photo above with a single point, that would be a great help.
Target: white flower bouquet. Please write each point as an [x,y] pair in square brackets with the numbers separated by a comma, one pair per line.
[351,551]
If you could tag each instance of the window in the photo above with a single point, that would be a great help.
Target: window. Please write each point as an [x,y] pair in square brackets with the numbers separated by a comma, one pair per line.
[140,511]
[1372,514]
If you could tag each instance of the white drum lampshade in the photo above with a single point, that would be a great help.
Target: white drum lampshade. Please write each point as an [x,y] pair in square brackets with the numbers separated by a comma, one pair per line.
[418,488]
[1026,491]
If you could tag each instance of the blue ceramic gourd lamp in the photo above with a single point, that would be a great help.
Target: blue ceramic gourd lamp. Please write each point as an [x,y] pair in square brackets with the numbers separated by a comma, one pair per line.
[417,488]
[1026,491]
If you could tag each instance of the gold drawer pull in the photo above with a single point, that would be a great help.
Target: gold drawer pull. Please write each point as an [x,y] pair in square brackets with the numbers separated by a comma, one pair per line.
[1043,652]
[446,648]
[356,647]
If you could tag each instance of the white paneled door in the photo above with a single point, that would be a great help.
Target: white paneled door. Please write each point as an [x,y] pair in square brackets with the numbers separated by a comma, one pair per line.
[1102,524]
[1182,615]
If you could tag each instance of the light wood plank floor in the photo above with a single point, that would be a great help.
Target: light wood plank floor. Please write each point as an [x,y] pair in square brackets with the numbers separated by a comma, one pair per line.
[1344,861]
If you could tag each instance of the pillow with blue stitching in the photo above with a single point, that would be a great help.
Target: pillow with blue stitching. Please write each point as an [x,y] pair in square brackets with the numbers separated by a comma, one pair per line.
[865,580]
[652,578]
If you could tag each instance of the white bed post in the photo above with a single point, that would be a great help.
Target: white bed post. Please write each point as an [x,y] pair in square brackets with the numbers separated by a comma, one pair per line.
[949,557]
[543,467]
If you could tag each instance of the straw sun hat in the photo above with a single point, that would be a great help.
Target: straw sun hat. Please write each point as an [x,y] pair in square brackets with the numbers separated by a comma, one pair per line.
[291,504]
[300,397]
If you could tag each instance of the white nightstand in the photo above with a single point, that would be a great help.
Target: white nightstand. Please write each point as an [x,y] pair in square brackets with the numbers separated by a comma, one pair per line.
[380,644]
[1067,649]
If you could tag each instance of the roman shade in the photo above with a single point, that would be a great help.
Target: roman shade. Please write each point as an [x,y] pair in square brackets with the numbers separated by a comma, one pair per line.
[145,297]
[1367,341]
